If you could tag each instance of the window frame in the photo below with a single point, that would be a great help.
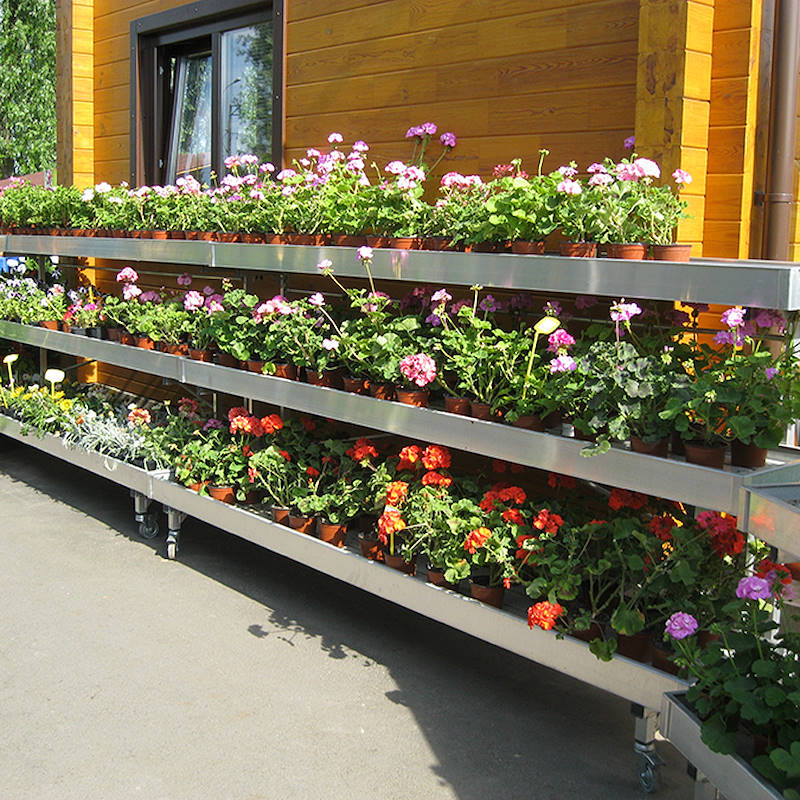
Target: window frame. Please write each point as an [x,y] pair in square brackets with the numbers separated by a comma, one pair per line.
[150,101]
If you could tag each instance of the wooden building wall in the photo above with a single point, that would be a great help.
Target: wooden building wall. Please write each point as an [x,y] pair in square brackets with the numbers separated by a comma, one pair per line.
[732,128]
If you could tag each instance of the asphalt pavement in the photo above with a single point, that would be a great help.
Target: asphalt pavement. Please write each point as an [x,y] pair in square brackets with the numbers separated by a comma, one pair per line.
[236,673]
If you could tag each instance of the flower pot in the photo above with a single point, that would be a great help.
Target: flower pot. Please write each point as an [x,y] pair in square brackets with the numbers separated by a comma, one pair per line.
[301,239]
[578,249]
[255,366]
[584,437]
[521,247]
[287,371]
[145,342]
[354,385]
[399,563]
[200,355]
[280,515]
[226,360]
[382,391]
[331,533]
[436,577]
[661,660]
[659,448]
[747,455]
[637,646]
[404,243]
[177,349]
[77,331]
[224,494]
[705,455]
[480,410]
[318,378]
[127,338]
[552,420]
[531,422]
[96,332]
[634,251]
[370,547]
[114,334]
[302,524]
[672,252]
[413,397]
[159,235]
[487,247]
[436,243]
[794,568]
[346,240]
[676,444]
[457,405]
[49,324]
[491,595]
[196,487]
[334,377]
[375,241]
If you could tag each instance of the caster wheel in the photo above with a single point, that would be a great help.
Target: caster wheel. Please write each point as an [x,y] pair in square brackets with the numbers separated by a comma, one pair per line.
[148,528]
[648,776]
[172,550]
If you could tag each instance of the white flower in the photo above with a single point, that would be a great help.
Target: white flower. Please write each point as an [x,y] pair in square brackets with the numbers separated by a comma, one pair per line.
[88,195]
[102,187]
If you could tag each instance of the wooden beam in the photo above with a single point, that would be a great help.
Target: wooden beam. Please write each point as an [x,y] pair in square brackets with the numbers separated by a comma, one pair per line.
[673,92]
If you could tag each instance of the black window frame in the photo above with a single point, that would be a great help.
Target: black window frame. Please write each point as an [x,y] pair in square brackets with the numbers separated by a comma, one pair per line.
[156,37]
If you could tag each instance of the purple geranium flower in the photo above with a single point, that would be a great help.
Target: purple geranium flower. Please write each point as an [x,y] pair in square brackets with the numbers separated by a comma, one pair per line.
[680,625]
[753,588]
[563,364]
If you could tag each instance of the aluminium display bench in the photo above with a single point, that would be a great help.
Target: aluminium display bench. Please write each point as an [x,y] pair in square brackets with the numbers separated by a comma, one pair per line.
[762,284]
[641,684]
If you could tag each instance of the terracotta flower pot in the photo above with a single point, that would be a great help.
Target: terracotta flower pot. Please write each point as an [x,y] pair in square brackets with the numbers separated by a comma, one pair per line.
[255,366]
[436,577]
[480,410]
[635,251]
[404,242]
[127,338]
[705,455]
[594,631]
[159,235]
[347,240]
[531,422]
[436,243]
[114,334]
[280,515]
[354,385]
[145,343]
[748,455]
[177,349]
[672,252]
[334,377]
[457,405]
[331,533]
[200,355]
[370,547]
[49,324]
[318,378]
[636,647]
[521,247]
[399,563]
[302,524]
[224,494]
[226,360]
[578,249]
[287,371]
[382,391]
[659,448]
[661,660]
[491,595]
[375,241]
[413,397]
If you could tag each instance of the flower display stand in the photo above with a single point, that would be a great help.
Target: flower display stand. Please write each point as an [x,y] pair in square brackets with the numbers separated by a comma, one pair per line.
[763,499]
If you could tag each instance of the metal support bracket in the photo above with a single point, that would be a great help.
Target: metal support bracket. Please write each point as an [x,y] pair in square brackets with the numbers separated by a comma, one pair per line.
[648,760]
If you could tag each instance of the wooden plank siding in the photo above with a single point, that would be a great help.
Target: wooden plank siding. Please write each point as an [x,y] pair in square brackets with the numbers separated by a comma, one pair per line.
[507,78]
[732,128]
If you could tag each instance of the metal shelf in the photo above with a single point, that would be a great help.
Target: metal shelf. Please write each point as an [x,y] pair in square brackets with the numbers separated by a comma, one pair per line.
[770,507]
[764,284]
[636,682]
[730,774]
[668,478]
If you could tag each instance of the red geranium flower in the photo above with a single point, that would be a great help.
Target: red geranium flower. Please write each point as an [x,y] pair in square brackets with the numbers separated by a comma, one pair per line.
[436,457]
[544,615]
[547,521]
[390,522]
[476,539]
[513,516]
[362,450]
[312,472]
[557,481]
[622,498]
[396,493]
[271,424]
[662,527]
[434,478]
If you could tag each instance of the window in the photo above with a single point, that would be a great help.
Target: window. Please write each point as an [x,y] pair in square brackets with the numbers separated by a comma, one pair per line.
[206,81]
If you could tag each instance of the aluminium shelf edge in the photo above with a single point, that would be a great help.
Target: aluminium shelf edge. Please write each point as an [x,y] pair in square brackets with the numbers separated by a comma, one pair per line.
[631,680]
[764,284]
[728,773]
[668,478]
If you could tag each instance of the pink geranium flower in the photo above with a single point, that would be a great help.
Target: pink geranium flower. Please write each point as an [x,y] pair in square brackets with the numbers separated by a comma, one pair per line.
[419,369]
